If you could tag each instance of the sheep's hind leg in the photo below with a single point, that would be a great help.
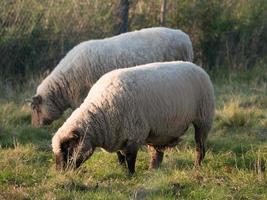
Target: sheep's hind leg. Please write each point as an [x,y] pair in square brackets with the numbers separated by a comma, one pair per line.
[131,154]
[156,157]
[121,158]
[201,134]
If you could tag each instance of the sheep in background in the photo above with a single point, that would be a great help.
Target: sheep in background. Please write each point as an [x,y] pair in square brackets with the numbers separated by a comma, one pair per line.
[149,104]
[71,80]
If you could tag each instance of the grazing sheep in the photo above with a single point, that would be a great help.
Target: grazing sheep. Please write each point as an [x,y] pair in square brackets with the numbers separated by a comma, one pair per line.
[150,104]
[71,80]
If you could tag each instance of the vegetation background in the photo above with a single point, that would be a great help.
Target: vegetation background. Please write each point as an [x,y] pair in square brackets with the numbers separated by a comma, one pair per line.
[230,42]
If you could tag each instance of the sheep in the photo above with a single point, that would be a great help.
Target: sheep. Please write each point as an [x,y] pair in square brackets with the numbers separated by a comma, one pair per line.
[69,83]
[126,108]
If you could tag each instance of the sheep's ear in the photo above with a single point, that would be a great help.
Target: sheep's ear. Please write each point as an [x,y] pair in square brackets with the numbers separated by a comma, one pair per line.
[70,143]
[28,101]
[76,134]
[37,99]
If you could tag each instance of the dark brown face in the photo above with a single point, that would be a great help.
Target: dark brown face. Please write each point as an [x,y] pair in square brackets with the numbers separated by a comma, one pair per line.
[43,113]
[73,153]
[38,119]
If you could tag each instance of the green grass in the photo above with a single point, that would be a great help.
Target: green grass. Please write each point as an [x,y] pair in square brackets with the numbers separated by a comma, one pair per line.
[234,167]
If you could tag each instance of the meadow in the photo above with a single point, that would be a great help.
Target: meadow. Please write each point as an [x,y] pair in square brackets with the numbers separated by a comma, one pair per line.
[234,167]
[229,40]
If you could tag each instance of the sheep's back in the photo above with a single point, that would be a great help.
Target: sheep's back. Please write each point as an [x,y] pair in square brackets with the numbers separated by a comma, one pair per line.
[167,95]
[88,61]
[129,49]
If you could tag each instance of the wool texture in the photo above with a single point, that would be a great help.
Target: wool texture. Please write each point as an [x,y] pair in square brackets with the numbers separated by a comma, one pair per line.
[69,83]
[148,104]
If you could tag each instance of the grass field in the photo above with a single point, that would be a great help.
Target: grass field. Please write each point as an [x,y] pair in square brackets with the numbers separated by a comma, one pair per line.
[234,167]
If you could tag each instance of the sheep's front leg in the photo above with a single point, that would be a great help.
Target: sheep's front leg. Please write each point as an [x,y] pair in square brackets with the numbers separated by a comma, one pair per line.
[156,157]
[121,158]
[130,154]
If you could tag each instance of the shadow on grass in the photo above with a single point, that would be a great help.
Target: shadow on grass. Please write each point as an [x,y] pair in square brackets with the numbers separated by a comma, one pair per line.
[235,142]
[178,164]
[15,126]
[116,175]
[172,190]
[236,151]
[77,186]
[9,138]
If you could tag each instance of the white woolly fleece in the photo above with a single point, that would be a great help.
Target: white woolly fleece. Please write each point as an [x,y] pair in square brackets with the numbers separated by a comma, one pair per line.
[147,104]
[70,81]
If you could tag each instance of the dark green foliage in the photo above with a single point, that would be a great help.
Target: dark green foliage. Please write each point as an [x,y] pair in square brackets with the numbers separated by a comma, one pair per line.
[224,32]
[34,38]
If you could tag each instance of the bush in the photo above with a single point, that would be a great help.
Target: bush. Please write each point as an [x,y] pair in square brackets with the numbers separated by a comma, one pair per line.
[34,38]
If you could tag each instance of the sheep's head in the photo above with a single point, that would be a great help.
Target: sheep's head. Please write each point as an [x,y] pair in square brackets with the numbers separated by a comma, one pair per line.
[43,111]
[71,152]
